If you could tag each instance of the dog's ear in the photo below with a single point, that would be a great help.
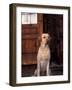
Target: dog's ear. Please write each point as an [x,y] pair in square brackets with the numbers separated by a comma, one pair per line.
[49,41]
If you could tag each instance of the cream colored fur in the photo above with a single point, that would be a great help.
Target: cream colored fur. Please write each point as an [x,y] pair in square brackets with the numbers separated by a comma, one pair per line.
[43,56]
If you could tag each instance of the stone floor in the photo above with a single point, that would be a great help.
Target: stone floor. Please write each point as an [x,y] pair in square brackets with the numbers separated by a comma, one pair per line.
[28,70]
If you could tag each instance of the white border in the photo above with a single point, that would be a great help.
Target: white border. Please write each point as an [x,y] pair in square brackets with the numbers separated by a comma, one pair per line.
[63,77]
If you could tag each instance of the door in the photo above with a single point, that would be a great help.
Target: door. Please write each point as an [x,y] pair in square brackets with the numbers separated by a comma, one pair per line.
[30,32]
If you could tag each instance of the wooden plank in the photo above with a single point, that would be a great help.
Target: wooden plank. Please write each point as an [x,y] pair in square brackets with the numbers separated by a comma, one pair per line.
[28,59]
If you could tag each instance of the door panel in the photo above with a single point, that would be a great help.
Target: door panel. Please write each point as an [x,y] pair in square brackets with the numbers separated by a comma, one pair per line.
[29,46]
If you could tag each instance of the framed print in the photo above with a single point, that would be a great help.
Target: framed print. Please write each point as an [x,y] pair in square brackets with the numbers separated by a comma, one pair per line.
[39,44]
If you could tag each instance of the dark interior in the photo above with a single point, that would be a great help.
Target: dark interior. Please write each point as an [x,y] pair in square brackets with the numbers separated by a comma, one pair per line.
[53,24]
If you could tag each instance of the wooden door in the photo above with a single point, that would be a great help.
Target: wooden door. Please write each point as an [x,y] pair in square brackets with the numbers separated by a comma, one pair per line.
[30,33]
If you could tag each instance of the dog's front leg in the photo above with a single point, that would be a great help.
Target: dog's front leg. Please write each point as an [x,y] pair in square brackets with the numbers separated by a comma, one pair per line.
[38,68]
[47,72]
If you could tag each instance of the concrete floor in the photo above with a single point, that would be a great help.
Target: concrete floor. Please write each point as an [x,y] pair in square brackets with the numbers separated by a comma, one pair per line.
[28,70]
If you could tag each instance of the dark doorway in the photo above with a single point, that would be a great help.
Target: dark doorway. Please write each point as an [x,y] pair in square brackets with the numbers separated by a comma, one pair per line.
[53,24]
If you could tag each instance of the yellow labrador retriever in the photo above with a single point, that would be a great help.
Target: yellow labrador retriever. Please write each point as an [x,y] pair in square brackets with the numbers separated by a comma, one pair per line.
[43,56]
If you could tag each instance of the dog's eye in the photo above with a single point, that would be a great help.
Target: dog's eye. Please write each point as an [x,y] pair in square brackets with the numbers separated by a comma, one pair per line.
[44,37]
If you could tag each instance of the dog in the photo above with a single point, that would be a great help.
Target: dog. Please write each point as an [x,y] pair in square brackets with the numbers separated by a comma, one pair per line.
[43,56]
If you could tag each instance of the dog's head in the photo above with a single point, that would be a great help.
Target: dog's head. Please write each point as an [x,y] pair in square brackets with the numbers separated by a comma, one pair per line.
[45,38]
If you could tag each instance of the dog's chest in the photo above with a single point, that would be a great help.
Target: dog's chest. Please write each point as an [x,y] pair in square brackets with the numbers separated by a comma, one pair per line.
[44,52]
